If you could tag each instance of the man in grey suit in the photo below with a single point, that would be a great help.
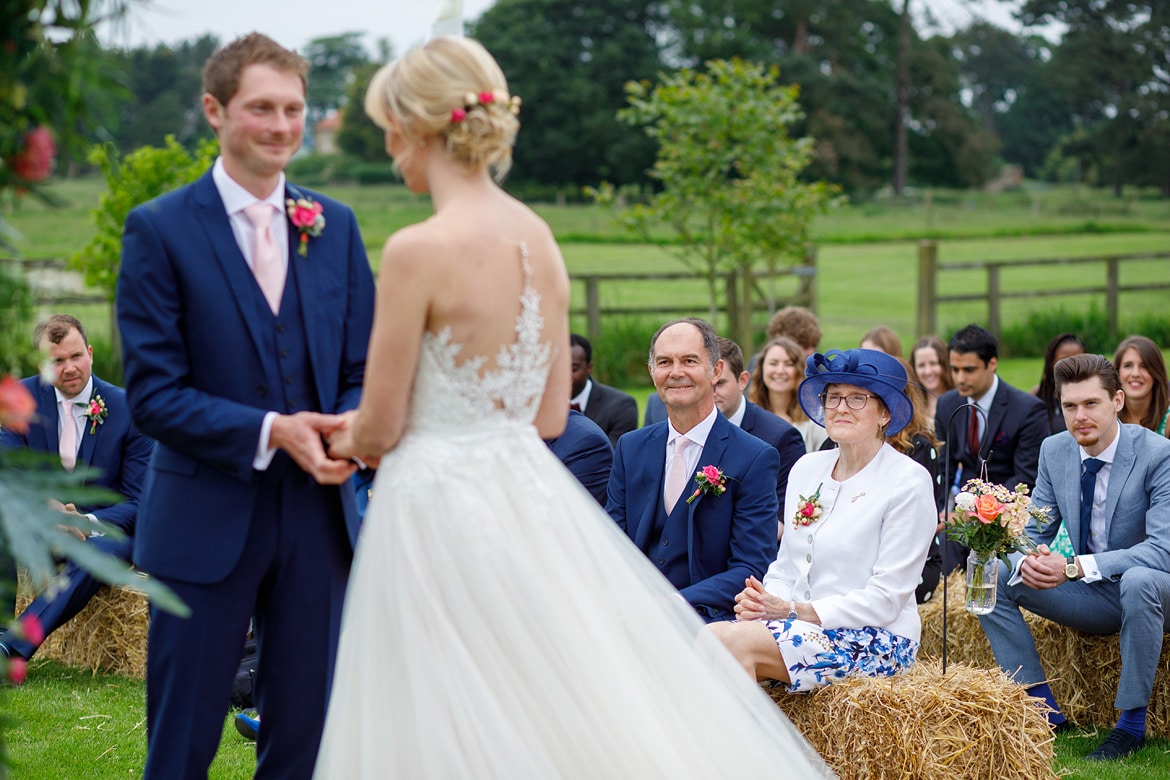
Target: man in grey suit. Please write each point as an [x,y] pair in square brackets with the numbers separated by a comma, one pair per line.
[1110,484]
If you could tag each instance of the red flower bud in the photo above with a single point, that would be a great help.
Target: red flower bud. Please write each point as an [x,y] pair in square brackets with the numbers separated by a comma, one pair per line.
[35,161]
[17,406]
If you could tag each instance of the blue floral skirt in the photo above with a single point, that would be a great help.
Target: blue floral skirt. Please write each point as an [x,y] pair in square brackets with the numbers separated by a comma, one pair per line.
[816,656]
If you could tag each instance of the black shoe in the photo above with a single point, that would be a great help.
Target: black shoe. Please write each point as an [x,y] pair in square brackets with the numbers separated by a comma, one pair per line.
[1117,745]
[5,650]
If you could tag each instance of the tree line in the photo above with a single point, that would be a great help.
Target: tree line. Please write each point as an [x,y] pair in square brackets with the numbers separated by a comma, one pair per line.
[887,104]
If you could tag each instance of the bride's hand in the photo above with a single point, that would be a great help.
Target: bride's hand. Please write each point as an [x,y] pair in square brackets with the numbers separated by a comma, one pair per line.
[342,445]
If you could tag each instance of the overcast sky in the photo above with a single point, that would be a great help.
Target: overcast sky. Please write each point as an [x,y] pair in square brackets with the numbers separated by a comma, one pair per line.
[405,22]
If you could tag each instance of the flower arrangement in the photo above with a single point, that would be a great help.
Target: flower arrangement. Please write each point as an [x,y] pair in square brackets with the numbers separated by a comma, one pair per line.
[990,519]
[95,412]
[808,510]
[305,214]
[710,480]
[486,99]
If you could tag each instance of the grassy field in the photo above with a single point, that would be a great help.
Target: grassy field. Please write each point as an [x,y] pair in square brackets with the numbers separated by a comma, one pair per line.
[67,724]
[867,254]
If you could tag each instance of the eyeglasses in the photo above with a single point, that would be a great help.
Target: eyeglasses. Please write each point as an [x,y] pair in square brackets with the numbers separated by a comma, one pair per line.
[856,401]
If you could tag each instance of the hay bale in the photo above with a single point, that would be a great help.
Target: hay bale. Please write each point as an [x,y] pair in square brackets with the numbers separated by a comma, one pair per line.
[1083,669]
[108,635]
[968,723]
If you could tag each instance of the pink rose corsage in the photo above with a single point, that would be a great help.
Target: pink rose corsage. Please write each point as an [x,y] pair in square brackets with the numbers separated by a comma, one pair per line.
[808,510]
[709,480]
[305,214]
[95,412]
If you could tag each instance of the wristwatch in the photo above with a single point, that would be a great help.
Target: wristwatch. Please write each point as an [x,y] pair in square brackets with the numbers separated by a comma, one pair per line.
[1070,568]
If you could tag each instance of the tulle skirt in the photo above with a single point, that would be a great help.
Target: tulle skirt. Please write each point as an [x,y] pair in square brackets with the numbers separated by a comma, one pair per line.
[498,624]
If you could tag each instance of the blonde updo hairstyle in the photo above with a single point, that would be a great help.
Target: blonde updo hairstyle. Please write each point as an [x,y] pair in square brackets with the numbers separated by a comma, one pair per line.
[420,90]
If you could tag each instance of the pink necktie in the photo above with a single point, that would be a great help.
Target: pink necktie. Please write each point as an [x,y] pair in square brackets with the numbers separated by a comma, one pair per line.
[676,478]
[68,447]
[266,263]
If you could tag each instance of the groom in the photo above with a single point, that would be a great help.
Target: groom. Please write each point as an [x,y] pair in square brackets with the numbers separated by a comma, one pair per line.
[245,329]
[708,544]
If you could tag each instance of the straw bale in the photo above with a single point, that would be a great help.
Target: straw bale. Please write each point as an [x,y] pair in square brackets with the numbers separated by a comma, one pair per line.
[108,635]
[1083,669]
[968,723]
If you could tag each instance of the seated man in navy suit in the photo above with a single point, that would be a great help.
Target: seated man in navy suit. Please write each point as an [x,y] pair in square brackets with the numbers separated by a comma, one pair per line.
[1109,485]
[586,452]
[758,422]
[614,412]
[696,493]
[87,421]
[985,423]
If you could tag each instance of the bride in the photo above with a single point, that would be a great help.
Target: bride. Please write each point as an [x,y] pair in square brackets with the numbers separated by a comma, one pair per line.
[497,623]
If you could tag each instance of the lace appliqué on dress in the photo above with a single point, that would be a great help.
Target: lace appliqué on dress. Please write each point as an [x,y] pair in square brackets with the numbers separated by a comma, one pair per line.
[516,385]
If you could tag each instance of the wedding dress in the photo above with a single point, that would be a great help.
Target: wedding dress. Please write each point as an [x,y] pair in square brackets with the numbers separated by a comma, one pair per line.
[499,625]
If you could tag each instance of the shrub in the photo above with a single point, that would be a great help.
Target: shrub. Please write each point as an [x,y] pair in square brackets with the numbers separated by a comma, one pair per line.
[17,309]
[1030,337]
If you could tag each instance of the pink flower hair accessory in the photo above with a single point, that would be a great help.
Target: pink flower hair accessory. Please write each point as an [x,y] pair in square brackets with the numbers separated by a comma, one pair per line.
[493,100]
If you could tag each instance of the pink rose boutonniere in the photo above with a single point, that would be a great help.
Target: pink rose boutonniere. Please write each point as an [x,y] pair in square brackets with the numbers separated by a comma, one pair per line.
[95,412]
[305,214]
[709,480]
[808,510]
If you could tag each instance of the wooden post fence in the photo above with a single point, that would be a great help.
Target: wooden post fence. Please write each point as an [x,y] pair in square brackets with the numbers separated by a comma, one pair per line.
[929,270]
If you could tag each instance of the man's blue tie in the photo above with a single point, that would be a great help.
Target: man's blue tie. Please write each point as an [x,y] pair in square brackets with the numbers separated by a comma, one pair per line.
[1088,487]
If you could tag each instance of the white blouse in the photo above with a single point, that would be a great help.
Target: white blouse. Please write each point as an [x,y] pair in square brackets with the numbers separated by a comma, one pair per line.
[860,562]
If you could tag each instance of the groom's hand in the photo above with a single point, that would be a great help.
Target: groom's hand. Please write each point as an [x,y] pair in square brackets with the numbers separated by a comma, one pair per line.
[300,435]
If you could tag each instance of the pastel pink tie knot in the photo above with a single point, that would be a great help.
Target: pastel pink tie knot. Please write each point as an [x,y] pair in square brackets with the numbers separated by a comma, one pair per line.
[266,264]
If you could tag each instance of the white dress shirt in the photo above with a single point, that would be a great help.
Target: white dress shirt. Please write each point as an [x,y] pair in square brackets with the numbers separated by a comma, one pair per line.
[582,398]
[736,417]
[1098,525]
[697,435]
[68,408]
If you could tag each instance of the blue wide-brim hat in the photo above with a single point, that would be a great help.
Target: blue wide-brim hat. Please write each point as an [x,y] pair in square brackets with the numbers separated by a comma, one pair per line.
[876,371]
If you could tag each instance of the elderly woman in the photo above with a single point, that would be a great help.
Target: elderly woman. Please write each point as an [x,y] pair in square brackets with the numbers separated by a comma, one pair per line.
[839,599]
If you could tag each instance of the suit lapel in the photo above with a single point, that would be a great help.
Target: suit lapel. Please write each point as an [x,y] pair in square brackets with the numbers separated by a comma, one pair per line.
[50,438]
[712,455]
[999,409]
[1119,474]
[213,218]
[307,276]
[89,440]
[1069,498]
[650,474]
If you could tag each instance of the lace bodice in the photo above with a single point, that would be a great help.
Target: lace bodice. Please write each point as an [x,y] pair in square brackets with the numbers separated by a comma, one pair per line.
[449,394]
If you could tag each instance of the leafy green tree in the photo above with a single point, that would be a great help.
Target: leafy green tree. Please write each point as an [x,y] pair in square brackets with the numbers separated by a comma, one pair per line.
[569,60]
[846,57]
[333,60]
[1114,66]
[142,175]
[166,90]
[728,171]
[359,136]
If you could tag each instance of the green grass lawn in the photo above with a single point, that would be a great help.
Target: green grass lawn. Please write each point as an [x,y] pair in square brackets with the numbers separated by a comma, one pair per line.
[67,724]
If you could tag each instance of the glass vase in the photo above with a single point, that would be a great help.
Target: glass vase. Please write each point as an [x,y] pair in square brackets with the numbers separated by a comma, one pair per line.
[982,578]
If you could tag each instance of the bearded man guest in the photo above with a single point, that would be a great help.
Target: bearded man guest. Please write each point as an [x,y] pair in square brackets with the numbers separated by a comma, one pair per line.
[1108,484]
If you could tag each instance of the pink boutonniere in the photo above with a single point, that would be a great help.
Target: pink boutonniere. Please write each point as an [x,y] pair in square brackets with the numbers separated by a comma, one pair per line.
[305,214]
[709,480]
[808,510]
[95,412]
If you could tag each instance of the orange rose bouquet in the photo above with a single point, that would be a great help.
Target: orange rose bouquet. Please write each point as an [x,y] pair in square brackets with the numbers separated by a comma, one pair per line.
[990,519]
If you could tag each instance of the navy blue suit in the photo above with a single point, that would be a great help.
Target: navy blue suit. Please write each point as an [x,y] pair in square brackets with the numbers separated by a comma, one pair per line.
[706,548]
[121,452]
[782,435]
[206,359]
[655,410]
[586,452]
